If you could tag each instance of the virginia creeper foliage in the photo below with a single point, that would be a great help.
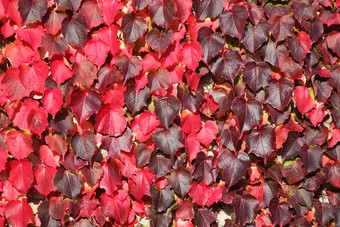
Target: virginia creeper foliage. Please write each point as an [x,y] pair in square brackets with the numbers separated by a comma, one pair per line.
[170,113]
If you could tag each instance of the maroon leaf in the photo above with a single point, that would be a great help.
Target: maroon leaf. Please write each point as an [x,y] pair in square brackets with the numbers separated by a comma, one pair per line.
[159,165]
[75,30]
[281,26]
[257,75]
[133,28]
[293,171]
[208,8]
[162,198]
[169,141]
[254,37]
[114,145]
[67,183]
[54,45]
[229,138]
[261,142]
[233,166]
[245,209]
[211,42]
[315,28]
[224,100]
[279,92]
[92,174]
[311,158]
[322,90]
[248,113]
[333,173]
[141,4]
[279,212]
[136,101]
[299,46]
[227,65]
[142,155]
[180,181]
[288,66]
[167,109]
[84,145]
[204,217]
[190,100]
[324,212]
[130,66]
[162,14]
[70,4]
[32,11]
[232,22]
[106,75]
[333,42]
[84,103]
[255,13]
[303,11]
[205,169]
[159,41]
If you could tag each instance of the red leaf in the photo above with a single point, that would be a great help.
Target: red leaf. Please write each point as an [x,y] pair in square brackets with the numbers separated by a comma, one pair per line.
[208,133]
[92,12]
[18,213]
[85,73]
[19,144]
[191,55]
[111,120]
[44,177]
[84,103]
[190,122]
[97,50]
[109,10]
[53,100]
[21,174]
[139,185]
[12,85]
[303,99]
[60,72]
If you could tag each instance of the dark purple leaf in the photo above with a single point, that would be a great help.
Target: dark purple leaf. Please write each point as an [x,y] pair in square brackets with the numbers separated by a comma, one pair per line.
[248,113]
[67,183]
[277,116]
[255,36]
[130,66]
[324,212]
[114,145]
[311,158]
[270,191]
[261,142]
[32,11]
[322,90]
[204,169]
[84,145]
[224,99]
[54,45]
[300,195]
[63,121]
[162,199]
[293,171]
[180,181]
[272,53]
[204,217]
[233,167]
[167,109]
[44,215]
[190,100]
[336,77]
[333,42]
[159,41]
[277,9]
[279,92]
[232,22]
[159,81]
[229,138]
[279,212]
[299,46]
[133,28]
[211,42]
[159,165]
[169,141]
[162,14]
[288,66]
[72,163]
[227,65]
[255,13]
[70,4]
[141,4]
[315,28]
[106,75]
[92,174]
[75,30]
[245,209]
[303,11]
[208,8]
[281,26]
[135,102]
[256,75]
[142,155]
[292,146]
[274,172]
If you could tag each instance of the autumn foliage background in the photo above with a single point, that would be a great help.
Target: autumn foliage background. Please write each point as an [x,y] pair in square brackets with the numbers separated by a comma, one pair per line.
[170,112]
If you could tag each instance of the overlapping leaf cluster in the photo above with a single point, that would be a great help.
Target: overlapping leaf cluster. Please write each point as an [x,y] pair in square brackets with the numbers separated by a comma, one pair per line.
[170,112]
